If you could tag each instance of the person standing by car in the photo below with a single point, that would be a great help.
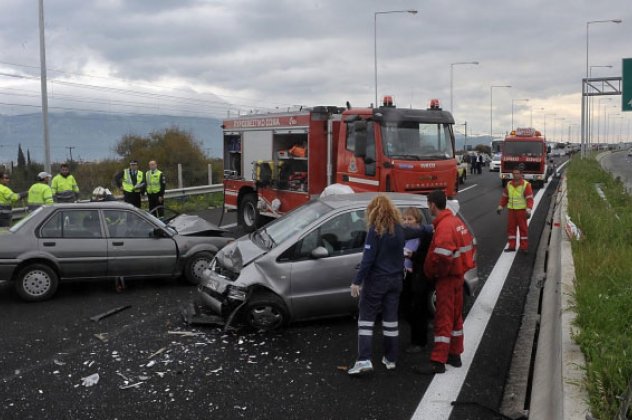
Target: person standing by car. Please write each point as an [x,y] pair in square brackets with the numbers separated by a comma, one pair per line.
[40,193]
[7,199]
[156,186]
[518,198]
[132,182]
[64,186]
[450,256]
[415,293]
[479,163]
[378,283]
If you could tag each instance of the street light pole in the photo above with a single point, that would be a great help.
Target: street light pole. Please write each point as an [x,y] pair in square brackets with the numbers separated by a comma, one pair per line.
[43,87]
[386,12]
[555,120]
[599,117]
[512,110]
[491,109]
[586,126]
[452,80]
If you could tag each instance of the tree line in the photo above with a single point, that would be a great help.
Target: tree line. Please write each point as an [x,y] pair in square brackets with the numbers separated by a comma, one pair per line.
[168,147]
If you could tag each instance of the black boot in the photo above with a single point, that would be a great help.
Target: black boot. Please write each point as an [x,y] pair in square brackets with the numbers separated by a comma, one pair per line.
[431,369]
[454,360]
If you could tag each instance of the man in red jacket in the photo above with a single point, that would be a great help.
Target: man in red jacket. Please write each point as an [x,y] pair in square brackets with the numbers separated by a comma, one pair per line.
[518,198]
[450,256]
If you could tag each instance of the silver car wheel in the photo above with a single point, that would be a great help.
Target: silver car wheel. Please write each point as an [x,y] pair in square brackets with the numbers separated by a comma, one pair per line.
[36,283]
[199,265]
[266,316]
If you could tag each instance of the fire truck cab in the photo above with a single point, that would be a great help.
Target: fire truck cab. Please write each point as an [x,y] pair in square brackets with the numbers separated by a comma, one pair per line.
[275,163]
[524,148]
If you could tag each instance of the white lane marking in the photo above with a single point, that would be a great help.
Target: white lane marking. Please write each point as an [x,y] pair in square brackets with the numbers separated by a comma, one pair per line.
[468,188]
[228,226]
[445,388]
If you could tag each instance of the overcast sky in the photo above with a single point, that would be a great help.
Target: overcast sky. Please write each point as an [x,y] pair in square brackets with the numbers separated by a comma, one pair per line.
[208,56]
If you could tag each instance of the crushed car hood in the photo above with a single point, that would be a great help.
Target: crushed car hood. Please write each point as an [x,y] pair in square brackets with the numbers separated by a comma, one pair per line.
[192,225]
[236,255]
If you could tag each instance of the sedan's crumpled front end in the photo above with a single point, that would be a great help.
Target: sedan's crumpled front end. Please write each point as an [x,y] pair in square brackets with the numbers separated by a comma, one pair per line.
[217,290]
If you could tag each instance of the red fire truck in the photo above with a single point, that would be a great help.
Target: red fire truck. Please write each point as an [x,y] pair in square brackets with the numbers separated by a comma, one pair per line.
[524,148]
[274,163]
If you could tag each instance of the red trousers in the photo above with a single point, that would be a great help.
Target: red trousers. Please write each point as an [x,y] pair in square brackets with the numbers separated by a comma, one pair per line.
[448,322]
[517,219]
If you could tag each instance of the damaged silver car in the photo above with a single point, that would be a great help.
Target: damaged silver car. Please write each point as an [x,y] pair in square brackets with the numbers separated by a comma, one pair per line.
[299,266]
[106,239]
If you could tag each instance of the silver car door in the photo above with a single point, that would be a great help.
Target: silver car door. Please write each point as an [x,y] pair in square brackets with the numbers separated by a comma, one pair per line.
[75,239]
[134,250]
[320,287]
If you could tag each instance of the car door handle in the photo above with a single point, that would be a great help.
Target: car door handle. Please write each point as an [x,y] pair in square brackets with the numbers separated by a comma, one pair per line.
[49,244]
[118,243]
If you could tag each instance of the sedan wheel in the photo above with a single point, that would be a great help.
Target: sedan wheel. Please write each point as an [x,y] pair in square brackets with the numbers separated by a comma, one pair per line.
[266,311]
[36,282]
[194,270]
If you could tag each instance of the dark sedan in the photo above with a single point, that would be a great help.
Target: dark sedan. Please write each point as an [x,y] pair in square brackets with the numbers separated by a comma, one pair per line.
[103,240]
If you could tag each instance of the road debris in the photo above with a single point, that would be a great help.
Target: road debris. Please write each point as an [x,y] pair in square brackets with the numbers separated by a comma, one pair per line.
[90,380]
[136,385]
[184,333]
[343,368]
[123,376]
[156,353]
[219,369]
[111,312]
[102,336]
[58,362]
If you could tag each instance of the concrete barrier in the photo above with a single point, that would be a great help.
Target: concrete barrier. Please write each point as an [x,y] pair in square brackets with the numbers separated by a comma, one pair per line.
[558,390]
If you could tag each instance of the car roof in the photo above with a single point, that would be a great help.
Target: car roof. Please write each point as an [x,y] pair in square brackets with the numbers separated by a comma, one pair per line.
[363,199]
[93,205]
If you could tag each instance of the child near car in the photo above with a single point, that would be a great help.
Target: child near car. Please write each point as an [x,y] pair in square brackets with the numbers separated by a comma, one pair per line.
[414,297]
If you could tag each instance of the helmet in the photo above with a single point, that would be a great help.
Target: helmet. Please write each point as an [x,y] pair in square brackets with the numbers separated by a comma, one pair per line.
[43,175]
[100,194]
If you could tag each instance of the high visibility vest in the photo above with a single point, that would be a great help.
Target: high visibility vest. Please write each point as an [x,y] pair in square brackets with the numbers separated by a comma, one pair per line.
[128,186]
[153,181]
[515,194]
[40,194]
[64,183]
[7,197]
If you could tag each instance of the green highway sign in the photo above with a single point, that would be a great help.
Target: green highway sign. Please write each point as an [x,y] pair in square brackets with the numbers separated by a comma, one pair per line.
[626,85]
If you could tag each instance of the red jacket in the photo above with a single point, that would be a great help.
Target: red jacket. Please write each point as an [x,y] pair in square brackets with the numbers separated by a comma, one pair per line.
[528,194]
[452,249]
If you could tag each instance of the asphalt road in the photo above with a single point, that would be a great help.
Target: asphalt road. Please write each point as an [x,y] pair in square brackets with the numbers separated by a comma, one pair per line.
[620,165]
[47,348]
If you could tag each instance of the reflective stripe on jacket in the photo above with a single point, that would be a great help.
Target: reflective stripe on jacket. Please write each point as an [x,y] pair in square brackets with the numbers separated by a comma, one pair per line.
[128,185]
[452,249]
[40,194]
[517,197]
[62,183]
[153,181]
[7,197]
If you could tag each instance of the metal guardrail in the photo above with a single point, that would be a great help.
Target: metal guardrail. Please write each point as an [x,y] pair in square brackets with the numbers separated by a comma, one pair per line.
[173,193]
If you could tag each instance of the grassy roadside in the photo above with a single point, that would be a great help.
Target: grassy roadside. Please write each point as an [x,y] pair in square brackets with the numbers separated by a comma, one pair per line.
[603,265]
[198,202]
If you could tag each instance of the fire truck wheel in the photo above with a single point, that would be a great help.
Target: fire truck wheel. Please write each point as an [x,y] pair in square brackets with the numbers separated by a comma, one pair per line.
[249,217]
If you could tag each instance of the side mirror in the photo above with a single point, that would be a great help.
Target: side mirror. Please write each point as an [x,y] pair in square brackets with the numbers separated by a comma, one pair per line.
[159,233]
[320,252]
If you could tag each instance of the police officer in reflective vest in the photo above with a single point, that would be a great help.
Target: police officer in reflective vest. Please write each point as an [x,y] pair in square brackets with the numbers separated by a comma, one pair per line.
[450,256]
[40,193]
[156,186]
[7,199]
[518,198]
[64,186]
[131,180]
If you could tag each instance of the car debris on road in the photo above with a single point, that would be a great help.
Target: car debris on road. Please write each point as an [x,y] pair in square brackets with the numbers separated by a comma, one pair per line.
[111,312]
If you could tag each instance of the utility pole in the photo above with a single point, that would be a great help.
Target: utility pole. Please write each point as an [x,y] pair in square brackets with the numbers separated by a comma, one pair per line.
[44,90]
[70,151]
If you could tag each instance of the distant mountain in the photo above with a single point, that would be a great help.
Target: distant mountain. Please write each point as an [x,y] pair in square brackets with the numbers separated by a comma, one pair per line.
[94,135]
